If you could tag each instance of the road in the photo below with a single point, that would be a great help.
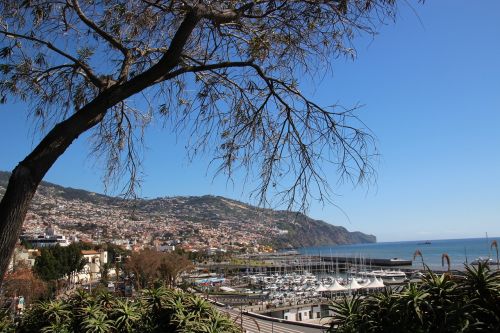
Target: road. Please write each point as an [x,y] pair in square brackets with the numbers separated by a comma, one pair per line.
[256,325]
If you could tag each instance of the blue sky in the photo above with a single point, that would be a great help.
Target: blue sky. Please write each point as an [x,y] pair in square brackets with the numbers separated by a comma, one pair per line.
[430,86]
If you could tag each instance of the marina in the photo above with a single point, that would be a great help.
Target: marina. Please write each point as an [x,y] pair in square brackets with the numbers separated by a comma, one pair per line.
[300,285]
[296,287]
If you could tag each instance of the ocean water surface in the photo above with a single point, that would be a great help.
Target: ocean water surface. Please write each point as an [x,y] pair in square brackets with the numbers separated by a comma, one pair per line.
[458,250]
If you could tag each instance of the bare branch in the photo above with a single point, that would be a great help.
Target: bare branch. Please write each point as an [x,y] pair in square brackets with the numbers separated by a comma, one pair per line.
[90,74]
[107,37]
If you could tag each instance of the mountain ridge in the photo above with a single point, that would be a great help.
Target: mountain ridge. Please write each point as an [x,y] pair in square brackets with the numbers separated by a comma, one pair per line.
[200,220]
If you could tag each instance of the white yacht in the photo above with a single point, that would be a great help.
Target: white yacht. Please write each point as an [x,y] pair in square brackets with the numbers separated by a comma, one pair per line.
[387,275]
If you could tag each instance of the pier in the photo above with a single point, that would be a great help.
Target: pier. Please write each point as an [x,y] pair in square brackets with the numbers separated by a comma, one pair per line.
[281,263]
[392,262]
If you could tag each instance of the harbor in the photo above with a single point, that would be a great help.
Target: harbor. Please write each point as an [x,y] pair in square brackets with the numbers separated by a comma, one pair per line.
[288,262]
[296,287]
[300,286]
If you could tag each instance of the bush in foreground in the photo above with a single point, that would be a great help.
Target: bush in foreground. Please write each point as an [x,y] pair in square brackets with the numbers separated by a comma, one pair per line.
[156,310]
[440,303]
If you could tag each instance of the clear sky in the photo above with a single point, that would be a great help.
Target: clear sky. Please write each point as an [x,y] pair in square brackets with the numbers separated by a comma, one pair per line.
[430,86]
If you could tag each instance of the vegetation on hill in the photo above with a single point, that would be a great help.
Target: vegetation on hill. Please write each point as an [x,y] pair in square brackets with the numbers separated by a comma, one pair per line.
[295,229]
[441,303]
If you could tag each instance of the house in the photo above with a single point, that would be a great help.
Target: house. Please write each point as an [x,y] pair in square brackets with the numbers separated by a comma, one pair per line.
[94,261]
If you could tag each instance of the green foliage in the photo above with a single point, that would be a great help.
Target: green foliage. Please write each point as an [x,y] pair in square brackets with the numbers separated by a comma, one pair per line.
[6,324]
[57,262]
[440,303]
[155,310]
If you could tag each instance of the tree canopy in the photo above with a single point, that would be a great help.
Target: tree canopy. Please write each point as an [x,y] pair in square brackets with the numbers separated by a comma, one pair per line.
[58,262]
[149,266]
[226,72]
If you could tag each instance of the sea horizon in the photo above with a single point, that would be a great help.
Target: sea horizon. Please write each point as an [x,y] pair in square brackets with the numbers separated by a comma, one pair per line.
[459,251]
[434,239]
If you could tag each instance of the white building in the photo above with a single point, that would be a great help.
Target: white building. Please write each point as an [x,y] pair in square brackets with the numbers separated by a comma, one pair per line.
[94,260]
[46,239]
[22,257]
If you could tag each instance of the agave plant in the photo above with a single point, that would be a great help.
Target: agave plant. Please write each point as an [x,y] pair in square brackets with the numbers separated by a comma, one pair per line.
[198,306]
[440,303]
[216,323]
[182,318]
[175,302]
[106,300]
[482,286]
[383,312]
[56,328]
[154,297]
[127,316]
[157,310]
[80,298]
[56,311]
[6,323]
[33,319]
[97,323]
[91,310]
[415,301]
[348,312]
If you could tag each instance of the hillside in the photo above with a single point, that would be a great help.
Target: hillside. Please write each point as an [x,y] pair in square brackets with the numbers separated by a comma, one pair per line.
[195,221]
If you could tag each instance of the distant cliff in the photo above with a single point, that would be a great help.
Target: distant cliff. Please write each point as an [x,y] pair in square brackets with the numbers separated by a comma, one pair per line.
[281,229]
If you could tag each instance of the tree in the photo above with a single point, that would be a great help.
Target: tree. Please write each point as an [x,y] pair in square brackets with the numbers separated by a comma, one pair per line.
[57,262]
[23,282]
[171,266]
[148,266]
[144,267]
[225,71]
[46,266]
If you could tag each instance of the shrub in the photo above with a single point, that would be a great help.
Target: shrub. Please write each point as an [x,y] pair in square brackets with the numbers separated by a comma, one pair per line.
[154,310]
[440,303]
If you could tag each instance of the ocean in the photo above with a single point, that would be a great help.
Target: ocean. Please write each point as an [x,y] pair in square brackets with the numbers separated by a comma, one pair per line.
[458,250]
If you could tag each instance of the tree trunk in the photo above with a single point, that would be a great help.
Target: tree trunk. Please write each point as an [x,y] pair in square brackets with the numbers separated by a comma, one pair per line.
[29,173]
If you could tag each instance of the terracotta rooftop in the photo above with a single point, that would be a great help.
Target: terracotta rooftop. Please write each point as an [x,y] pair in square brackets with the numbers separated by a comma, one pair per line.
[87,252]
